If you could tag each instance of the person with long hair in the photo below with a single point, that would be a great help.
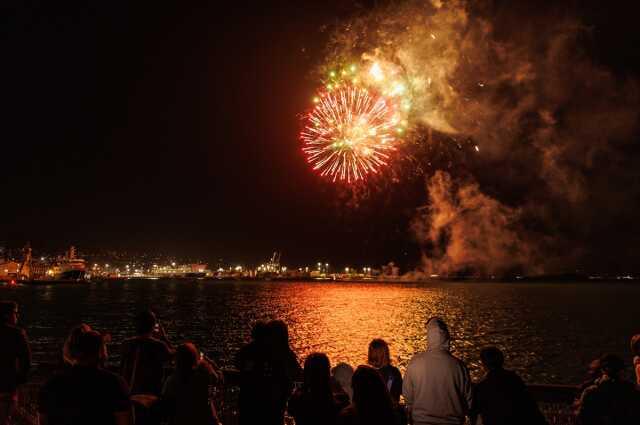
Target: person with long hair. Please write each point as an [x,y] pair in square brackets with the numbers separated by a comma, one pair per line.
[185,396]
[371,403]
[314,403]
[379,358]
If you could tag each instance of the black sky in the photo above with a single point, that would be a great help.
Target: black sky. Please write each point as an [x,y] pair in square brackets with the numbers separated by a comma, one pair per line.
[173,126]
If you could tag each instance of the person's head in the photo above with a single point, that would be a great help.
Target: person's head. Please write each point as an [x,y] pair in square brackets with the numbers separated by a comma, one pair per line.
[492,358]
[145,322]
[438,336]
[89,349]
[317,373]
[70,348]
[259,332]
[371,396]
[342,374]
[612,366]
[635,345]
[187,357]
[9,312]
[278,333]
[378,355]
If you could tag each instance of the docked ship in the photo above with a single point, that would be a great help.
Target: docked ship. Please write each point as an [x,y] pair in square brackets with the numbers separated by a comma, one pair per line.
[68,268]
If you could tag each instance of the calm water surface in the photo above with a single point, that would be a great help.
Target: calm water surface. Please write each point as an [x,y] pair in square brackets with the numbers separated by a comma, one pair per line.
[549,331]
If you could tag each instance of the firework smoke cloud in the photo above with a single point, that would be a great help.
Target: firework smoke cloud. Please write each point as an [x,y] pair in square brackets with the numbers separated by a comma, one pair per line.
[551,186]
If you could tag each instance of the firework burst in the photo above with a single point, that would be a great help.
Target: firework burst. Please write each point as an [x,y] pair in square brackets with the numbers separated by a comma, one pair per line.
[351,132]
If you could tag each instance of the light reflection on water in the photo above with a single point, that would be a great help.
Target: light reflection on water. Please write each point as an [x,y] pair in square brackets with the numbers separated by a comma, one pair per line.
[549,332]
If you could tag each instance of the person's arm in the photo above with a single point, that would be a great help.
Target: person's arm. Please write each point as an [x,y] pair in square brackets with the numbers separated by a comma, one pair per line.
[396,386]
[466,387]
[162,335]
[407,391]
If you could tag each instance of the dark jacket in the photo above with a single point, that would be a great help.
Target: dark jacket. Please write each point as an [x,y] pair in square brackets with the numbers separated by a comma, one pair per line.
[501,398]
[609,402]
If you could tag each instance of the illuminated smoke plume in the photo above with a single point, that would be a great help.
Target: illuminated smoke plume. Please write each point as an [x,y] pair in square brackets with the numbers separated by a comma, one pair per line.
[553,186]
[464,230]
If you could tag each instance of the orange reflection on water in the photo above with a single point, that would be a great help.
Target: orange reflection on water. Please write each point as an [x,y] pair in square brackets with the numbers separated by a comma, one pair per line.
[341,320]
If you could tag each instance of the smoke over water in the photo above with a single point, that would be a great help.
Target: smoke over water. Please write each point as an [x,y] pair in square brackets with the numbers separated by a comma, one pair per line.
[553,186]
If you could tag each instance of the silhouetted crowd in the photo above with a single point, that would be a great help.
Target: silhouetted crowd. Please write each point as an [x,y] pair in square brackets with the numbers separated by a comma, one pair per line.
[436,388]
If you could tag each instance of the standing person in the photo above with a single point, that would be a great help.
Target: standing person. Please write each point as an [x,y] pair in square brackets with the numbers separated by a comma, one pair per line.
[611,400]
[145,355]
[501,398]
[268,368]
[285,370]
[186,392]
[371,403]
[379,358]
[15,359]
[437,386]
[635,349]
[85,393]
[252,363]
[315,403]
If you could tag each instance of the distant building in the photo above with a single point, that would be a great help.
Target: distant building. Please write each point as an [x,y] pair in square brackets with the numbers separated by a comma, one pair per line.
[9,269]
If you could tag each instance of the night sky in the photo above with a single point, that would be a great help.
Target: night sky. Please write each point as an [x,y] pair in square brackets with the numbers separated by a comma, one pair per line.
[174,128]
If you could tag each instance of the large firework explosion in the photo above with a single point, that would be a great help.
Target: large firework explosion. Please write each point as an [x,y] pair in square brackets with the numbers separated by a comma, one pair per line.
[358,122]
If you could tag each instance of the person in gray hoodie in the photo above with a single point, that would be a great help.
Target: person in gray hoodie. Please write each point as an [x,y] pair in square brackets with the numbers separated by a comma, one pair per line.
[437,385]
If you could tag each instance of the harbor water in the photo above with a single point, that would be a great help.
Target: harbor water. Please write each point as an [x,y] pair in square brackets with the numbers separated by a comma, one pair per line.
[549,331]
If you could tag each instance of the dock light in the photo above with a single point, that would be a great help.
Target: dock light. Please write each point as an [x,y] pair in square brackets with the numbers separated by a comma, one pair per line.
[173,264]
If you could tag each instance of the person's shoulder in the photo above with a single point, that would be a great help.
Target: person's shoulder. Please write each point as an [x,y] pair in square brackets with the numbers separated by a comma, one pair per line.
[418,357]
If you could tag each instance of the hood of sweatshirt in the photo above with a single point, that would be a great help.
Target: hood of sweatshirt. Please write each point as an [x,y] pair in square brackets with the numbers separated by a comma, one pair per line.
[437,335]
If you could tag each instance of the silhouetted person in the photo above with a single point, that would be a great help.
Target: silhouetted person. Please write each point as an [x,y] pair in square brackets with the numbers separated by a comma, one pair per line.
[186,392]
[15,359]
[85,393]
[371,403]
[145,355]
[315,403]
[610,400]
[379,358]
[252,363]
[501,398]
[635,350]
[69,350]
[341,375]
[436,385]
[268,367]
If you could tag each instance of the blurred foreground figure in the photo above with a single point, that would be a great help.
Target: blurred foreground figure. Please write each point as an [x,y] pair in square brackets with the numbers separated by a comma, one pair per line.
[437,386]
[315,403]
[85,393]
[186,393]
[15,359]
[371,403]
[501,398]
[610,400]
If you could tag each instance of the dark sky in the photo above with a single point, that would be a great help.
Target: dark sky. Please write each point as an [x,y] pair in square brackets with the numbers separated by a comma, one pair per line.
[147,126]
